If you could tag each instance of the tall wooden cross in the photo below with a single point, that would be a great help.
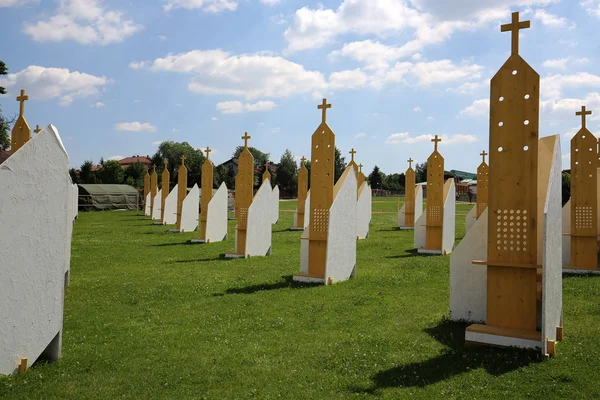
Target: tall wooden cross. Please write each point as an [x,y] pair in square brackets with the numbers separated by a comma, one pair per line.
[410,161]
[324,107]
[246,137]
[207,151]
[37,129]
[21,99]
[302,161]
[583,114]
[435,140]
[352,153]
[514,27]
[483,154]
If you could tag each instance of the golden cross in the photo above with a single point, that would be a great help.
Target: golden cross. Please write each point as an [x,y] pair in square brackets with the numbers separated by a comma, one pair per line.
[410,161]
[302,160]
[37,129]
[360,167]
[267,165]
[22,99]
[436,140]
[514,27]
[154,166]
[246,137]
[324,107]
[352,153]
[208,150]
[182,159]
[483,154]
[583,113]
[166,162]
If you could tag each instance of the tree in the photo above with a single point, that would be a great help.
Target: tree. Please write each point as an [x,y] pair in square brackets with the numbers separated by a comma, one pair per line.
[134,174]
[172,151]
[4,122]
[394,182]
[223,173]
[111,172]
[375,179]
[421,172]
[73,175]
[86,173]
[287,173]
[566,188]
[260,158]
[340,165]
[307,165]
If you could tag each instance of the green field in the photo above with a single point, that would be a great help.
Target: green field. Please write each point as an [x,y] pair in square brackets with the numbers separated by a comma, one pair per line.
[148,316]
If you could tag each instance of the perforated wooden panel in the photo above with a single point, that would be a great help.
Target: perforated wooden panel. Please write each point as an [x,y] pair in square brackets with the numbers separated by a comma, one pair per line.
[21,133]
[244,190]
[182,178]
[409,209]
[146,187]
[302,193]
[153,188]
[482,187]
[206,195]
[584,189]
[435,201]
[512,202]
[166,178]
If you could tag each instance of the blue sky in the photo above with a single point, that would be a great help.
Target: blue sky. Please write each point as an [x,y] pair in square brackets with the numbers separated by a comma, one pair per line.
[117,77]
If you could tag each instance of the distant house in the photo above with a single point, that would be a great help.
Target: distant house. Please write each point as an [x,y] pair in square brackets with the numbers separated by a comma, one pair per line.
[126,162]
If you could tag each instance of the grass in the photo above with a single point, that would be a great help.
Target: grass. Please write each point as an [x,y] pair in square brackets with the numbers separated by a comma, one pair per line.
[148,316]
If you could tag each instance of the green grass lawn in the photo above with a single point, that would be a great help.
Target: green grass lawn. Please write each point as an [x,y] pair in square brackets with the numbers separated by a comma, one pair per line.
[148,316]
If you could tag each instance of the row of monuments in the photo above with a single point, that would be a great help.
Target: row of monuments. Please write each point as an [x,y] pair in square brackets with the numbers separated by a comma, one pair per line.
[506,272]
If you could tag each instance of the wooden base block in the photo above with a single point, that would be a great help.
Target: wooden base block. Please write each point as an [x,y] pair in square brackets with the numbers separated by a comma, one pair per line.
[559,333]
[308,278]
[502,337]
[22,365]
[551,346]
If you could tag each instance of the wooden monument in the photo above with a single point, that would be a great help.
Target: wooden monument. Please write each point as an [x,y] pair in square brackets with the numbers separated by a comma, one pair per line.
[439,215]
[482,193]
[166,179]
[182,178]
[146,193]
[328,246]
[352,163]
[267,174]
[153,189]
[580,214]
[206,192]
[413,200]
[363,206]
[515,245]
[361,176]
[21,132]
[253,230]
[302,194]
[37,129]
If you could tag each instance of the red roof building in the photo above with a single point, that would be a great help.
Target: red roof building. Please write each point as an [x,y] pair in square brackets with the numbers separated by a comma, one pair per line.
[125,162]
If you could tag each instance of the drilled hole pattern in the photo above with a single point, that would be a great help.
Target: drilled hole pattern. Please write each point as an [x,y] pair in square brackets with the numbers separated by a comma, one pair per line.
[583,217]
[512,230]
[434,213]
[320,222]
[243,217]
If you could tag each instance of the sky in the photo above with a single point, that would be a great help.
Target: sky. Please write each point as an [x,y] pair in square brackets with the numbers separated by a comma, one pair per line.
[117,77]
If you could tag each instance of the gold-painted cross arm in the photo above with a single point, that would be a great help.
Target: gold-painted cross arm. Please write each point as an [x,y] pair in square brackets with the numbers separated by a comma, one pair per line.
[207,151]
[246,137]
[410,161]
[324,107]
[583,114]
[21,99]
[352,153]
[483,154]
[514,28]
[436,140]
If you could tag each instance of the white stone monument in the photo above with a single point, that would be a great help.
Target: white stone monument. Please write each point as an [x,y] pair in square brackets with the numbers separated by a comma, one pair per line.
[275,205]
[418,209]
[448,224]
[170,216]
[363,211]
[36,221]
[191,210]
[156,211]
[216,219]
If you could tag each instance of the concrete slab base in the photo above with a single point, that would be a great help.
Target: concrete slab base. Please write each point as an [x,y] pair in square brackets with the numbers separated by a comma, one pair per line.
[426,251]
[307,278]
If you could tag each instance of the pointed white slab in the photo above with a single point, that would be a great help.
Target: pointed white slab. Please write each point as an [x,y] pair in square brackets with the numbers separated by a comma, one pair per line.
[35,236]
[190,211]
[449,230]
[216,223]
[156,211]
[566,239]
[147,210]
[258,232]
[363,211]
[471,218]
[171,207]
[75,201]
[275,205]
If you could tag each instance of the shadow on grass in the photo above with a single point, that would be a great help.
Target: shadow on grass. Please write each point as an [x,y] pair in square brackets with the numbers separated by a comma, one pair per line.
[218,258]
[286,282]
[454,360]
[414,253]
[570,275]
[186,243]
[392,229]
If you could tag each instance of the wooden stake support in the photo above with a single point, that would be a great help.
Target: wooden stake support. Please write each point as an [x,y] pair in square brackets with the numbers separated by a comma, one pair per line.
[206,193]
[182,178]
[22,365]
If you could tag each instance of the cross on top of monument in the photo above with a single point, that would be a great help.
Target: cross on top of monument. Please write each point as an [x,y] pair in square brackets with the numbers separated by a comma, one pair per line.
[246,137]
[435,140]
[22,99]
[207,151]
[166,162]
[37,129]
[302,160]
[514,27]
[410,161]
[324,107]
[352,153]
[360,167]
[583,114]
[182,159]
[483,154]
[154,166]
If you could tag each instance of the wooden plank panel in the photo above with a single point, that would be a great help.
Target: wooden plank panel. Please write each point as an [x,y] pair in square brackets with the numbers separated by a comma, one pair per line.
[166,179]
[206,194]
[482,187]
[244,191]
[182,178]
[153,187]
[410,193]
[511,294]
[435,200]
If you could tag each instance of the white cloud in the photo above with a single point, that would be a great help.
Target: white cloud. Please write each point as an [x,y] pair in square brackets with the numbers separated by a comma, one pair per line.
[214,118]
[571,132]
[360,135]
[84,21]
[157,143]
[137,64]
[178,105]
[270,2]
[15,3]
[347,79]
[560,63]
[162,38]
[564,109]
[592,7]
[477,109]
[210,6]
[470,87]
[251,76]
[417,56]
[46,83]
[115,158]
[135,127]
[445,71]
[417,109]
[397,138]
[174,130]
[137,101]
[98,105]
[552,86]
[278,19]
[549,19]
[237,107]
